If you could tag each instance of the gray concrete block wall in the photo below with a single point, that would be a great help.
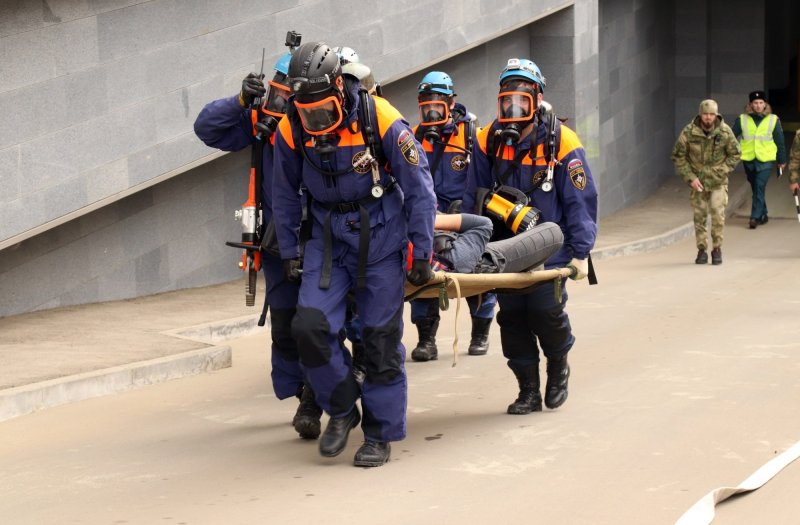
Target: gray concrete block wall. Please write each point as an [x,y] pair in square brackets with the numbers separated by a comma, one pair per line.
[98,102]
[166,237]
[114,87]
[719,54]
[636,99]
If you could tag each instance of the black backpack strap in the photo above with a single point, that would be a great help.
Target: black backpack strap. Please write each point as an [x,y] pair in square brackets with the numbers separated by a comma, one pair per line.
[368,124]
[438,153]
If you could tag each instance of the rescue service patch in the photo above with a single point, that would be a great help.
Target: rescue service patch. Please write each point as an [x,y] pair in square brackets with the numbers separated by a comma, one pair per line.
[360,162]
[403,136]
[538,177]
[458,162]
[407,147]
[576,173]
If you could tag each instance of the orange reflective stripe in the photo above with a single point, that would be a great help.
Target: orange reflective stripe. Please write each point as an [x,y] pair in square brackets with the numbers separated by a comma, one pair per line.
[254,120]
[285,129]
[569,142]
[346,138]
[458,140]
[387,115]
[482,137]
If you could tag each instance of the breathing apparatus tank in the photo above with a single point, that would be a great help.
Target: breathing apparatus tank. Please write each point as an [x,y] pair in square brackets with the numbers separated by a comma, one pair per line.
[511,206]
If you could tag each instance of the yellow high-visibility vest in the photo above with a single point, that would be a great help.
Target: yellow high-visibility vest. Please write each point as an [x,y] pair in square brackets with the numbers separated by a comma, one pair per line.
[757,141]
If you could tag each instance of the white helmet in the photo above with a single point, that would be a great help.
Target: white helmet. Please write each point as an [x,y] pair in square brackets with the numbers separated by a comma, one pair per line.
[346,55]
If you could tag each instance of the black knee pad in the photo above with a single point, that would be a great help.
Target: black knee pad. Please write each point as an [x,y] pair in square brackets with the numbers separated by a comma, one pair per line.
[382,358]
[310,329]
[281,321]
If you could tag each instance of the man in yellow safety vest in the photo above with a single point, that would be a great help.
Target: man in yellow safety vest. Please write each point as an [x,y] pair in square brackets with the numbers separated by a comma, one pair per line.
[761,137]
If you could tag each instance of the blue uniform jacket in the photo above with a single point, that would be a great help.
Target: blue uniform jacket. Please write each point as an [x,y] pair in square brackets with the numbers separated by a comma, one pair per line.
[572,203]
[450,177]
[405,213]
[224,124]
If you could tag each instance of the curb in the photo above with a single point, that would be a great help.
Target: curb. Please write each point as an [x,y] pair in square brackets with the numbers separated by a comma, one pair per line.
[22,400]
[665,239]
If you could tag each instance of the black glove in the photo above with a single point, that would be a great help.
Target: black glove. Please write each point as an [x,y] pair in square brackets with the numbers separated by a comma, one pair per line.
[292,270]
[455,207]
[252,88]
[420,272]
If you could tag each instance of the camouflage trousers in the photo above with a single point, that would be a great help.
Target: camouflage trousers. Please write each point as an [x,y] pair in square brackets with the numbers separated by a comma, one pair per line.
[713,203]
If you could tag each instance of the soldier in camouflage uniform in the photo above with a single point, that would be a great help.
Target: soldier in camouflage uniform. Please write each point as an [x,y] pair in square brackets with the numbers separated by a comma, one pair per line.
[794,164]
[705,153]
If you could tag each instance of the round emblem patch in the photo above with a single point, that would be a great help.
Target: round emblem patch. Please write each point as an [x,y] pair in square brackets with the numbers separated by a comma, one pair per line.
[538,177]
[458,162]
[360,162]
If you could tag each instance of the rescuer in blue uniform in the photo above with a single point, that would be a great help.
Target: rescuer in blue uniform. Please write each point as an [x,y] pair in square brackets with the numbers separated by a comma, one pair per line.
[227,124]
[363,216]
[447,134]
[515,151]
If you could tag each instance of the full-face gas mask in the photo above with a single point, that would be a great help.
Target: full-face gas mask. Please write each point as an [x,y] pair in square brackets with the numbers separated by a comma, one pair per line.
[315,78]
[516,108]
[275,101]
[434,113]
[435,97]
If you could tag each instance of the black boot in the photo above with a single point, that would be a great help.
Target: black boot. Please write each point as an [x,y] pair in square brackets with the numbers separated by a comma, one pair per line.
[702,257]
[426,347]
[372,454]
[479,344]
[529,399]
[306,419]
[557,378]
[334,439]
[716,256]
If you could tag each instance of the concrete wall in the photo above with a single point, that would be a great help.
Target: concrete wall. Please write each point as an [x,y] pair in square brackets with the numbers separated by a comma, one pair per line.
[98,101]
[636,99]
[165,237]
[719,54]
[106,193]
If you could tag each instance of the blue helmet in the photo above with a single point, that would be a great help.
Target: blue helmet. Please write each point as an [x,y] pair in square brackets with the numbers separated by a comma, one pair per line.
[282,65]
[436,82]
[524,69]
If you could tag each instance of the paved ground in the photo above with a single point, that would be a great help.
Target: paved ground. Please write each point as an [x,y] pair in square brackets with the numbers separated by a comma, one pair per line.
[685,378]
[72,353]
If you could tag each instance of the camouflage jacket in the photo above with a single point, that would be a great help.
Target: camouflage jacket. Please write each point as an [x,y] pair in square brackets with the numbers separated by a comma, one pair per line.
[709,158]
[794,159]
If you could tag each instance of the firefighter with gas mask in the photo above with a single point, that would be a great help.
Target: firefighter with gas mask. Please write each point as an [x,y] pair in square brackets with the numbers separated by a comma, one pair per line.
[228,124]
[528,155]
[370,193]
[446,131]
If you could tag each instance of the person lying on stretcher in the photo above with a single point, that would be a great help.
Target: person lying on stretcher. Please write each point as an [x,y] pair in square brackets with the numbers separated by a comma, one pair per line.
[461,244]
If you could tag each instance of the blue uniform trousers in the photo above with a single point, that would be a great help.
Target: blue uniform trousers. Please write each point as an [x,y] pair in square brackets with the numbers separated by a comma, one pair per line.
[530,318]
[328,366]
[758,183]
[287,375]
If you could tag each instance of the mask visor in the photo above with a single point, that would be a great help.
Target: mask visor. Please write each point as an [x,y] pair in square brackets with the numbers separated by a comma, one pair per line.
[275,99]
[433,113]
[320,117]
[514,106]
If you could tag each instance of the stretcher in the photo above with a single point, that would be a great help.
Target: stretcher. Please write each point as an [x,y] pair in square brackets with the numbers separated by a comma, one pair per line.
[458,285]
[449,285]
